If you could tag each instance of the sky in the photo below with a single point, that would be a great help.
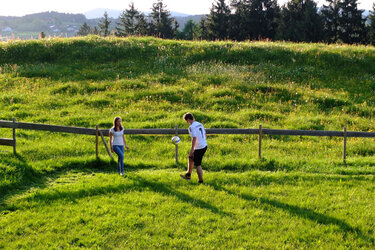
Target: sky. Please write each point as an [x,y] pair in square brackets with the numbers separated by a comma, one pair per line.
[194,7]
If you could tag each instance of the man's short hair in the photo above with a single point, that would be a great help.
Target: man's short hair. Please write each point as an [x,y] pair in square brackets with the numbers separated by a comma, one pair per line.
[188,116]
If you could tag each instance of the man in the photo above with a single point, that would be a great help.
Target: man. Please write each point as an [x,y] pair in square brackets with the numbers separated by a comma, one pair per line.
[198,147]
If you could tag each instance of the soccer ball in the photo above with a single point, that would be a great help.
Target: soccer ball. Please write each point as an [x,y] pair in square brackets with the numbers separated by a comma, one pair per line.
[176,140]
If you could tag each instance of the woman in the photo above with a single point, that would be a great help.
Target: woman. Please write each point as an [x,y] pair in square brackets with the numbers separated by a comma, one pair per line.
[117,142]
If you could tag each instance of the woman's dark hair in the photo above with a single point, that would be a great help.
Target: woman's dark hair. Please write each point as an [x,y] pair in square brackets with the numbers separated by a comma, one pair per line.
[188,116]
[114,123]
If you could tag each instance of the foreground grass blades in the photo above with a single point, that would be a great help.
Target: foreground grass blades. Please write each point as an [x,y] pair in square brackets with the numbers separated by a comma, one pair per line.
[55,194]
[155,208]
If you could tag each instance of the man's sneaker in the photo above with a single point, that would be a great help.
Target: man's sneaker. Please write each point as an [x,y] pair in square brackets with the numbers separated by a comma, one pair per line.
[121,173]
[200,182]
[186,177]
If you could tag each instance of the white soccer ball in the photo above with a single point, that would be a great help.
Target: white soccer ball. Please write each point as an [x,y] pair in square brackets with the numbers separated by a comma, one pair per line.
[176,140]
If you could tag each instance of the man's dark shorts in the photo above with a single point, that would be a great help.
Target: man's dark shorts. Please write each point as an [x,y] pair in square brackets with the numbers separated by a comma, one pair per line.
[198,155]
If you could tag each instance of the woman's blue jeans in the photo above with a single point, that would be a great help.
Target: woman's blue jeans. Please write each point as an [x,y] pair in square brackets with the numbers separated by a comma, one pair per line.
[119,150]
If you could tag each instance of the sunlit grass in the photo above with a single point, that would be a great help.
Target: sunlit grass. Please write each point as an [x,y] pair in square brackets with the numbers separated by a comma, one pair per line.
[55,194]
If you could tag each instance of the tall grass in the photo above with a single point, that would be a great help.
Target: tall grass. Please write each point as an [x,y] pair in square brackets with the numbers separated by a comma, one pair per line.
[300,195]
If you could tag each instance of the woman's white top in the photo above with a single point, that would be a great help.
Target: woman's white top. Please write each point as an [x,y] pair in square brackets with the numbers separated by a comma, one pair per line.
[117,137]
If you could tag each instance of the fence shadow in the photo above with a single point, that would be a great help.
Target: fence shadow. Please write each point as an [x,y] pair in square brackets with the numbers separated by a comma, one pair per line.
[301,212]
[23,176]
[137,184]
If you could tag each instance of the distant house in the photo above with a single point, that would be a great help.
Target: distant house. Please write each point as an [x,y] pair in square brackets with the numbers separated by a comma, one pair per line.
[7,29]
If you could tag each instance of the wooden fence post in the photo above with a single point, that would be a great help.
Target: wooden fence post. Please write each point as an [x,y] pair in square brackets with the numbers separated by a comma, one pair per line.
[344,152]
[97,142]
[105,144]
[14,136]
[176,146]
[260,142]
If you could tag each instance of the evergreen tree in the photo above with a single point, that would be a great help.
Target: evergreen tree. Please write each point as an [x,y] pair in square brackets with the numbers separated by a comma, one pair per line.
[84,30]
[254,19]
[201,29]
[300,22]
[42,35]
[161,22]
[239,21]
[353,29]
[176,26]
[344,22]
[142,27]
[331,17]
[218,21]
[372,25]
[189,31]
[104,25]
[95,31]
[128,25]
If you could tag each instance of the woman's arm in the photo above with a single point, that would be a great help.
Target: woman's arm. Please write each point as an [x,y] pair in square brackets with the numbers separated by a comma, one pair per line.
[123,139]
[110,141]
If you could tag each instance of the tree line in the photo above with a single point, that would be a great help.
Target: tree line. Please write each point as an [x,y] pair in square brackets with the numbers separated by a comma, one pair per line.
[337,21]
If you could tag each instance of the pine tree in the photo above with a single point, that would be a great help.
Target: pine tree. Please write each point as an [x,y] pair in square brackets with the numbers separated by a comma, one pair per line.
[189,30]
[202,32]
[84,30]
[254,19]
[331,17]
[372,25]
[161,22]
[218,21]
[104,25]
[239,21]
[142,27]
[353,29]
[344,22]
[129,20]
[300,22]
[95,31]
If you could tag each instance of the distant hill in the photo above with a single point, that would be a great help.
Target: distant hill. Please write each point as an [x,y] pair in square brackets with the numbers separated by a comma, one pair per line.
[51,23]
[64,24]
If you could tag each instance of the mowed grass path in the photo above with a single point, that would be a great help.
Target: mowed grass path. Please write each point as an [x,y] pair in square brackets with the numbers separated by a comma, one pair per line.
[54,194]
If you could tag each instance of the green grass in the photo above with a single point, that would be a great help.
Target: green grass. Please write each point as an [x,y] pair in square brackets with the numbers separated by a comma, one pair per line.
[55,194]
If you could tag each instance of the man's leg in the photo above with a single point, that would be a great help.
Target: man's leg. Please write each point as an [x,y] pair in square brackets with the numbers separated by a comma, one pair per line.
[190,165]
[200,173]
[187,176]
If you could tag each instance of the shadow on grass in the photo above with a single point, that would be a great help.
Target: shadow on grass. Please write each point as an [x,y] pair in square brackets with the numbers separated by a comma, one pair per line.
[136,183]
[159,187]
[17,175]
[301,212]
[30,178]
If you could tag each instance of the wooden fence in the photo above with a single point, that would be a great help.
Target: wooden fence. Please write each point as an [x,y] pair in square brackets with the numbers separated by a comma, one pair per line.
[176,131]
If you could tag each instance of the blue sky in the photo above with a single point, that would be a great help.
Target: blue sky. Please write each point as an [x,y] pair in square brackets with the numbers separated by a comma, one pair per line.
[24,7]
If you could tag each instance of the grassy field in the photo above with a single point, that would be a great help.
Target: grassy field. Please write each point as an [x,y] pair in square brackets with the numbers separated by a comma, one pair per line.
[55,194]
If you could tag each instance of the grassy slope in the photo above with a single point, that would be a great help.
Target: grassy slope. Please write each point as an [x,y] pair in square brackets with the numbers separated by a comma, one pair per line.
[300,195]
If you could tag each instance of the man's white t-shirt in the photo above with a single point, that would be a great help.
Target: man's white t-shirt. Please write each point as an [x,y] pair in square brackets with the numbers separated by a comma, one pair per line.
[197,130]
[117,137]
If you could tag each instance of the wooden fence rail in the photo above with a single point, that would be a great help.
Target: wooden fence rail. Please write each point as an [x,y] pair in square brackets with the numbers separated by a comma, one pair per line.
[176,131]
[172,131]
